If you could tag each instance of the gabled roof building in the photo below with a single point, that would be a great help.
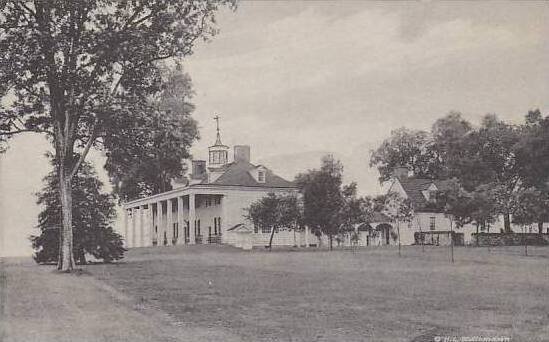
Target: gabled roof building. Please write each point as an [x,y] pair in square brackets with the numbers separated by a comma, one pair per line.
[429,222]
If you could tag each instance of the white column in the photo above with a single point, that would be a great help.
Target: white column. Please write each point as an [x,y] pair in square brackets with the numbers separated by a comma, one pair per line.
[150,225]
[306,236]
[159,224]
[135,238]
[142,226]
[224,219]
[192,219]
[180,221]
[169,221]
[126,228]
[137,225]
[134,223]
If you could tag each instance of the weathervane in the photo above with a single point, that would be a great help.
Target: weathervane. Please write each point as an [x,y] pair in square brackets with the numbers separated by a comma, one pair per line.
[216,118]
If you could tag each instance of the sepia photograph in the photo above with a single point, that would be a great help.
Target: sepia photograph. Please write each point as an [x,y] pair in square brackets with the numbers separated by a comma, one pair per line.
[274,170]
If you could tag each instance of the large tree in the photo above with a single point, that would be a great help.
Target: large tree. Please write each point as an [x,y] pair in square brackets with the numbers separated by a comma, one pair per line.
[144,158]
[93,213]
[323,198]
[412,149]
[475,207]
[275,213]
[490,161]
[449,134]
[531,206]
[71,69]
[532,152]
[354,210]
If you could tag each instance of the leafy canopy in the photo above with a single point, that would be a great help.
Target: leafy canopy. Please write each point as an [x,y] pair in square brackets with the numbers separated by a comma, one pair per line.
[93,215]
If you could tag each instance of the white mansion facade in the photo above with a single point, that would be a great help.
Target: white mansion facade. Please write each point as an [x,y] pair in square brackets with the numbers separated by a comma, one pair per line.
[209,207]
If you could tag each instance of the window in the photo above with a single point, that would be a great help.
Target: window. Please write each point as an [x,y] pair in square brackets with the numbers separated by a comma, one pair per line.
[432,195]
[256,228]
[266,230]
[261,176]
[217,225]
[217,200]
[197,227]
[432,225]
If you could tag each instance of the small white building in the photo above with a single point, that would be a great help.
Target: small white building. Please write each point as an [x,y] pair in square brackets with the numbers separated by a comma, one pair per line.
[210,206]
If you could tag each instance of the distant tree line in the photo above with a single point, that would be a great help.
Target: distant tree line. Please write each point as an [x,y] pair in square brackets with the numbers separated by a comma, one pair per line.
[497,168]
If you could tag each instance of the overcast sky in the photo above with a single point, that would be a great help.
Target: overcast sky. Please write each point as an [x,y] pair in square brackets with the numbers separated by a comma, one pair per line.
[298,79]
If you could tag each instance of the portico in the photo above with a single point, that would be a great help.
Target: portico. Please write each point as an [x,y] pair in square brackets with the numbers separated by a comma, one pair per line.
[171,218]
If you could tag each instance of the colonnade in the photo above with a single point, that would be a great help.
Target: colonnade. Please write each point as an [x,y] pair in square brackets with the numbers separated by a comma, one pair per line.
[144,222]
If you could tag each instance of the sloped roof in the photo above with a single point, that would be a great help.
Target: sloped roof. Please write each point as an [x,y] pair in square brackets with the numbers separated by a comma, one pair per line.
[237,173]
[415,186]
[240,228]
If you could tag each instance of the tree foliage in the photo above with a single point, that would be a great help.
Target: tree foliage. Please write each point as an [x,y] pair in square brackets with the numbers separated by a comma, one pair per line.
[73,69]
[532,152]
[329,207]
[143,158]
[476,207]
[396,207]
[531,206]
[493,162]
[408,148]
[276,213]
[322,197]
[93,215]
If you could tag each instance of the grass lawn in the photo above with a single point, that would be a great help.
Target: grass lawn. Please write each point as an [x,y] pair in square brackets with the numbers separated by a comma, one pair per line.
[370,295]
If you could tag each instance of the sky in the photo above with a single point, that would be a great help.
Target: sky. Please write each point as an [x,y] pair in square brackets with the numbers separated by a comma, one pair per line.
[296,80]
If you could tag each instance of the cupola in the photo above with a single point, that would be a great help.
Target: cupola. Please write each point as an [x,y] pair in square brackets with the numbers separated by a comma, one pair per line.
[218,153]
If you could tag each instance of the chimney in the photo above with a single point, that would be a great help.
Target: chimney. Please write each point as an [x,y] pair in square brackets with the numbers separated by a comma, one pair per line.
[199,169]
[242,153]
[400,172]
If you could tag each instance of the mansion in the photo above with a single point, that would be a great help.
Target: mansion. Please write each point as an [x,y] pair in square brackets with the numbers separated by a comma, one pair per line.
[209,207]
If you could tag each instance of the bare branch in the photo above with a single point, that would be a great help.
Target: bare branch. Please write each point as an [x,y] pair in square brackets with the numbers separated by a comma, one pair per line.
[34,130]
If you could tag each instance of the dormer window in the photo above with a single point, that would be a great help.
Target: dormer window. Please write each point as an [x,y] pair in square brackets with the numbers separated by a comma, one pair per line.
[261,176]
[432,196]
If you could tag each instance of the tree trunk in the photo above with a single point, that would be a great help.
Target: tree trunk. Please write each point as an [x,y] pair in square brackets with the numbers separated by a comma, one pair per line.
[507,223]
[540,227]
[398,235]
[477,236]
[81,256]
[451,242]
[271,238]
[331,241]
[66,259]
